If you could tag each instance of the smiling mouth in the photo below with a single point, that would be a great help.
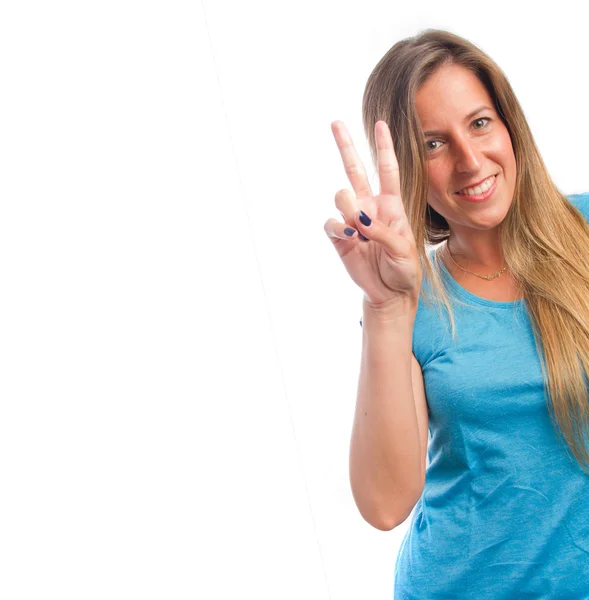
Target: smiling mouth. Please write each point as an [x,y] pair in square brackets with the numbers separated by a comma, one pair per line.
[478,189]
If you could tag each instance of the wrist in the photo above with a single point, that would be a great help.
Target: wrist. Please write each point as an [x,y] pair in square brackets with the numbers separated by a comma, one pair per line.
[394,309]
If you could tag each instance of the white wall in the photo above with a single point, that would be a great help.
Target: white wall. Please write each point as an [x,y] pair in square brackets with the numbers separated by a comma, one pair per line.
[179,342]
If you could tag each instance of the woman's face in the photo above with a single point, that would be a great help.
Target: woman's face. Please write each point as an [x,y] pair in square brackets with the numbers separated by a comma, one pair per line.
[465,146]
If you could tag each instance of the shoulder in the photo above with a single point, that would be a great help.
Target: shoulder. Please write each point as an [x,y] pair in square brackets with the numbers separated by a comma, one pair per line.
[581,202]
[431,327]
[578,198]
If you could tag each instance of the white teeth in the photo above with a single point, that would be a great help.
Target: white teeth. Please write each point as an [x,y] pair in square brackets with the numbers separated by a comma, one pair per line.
[479,189]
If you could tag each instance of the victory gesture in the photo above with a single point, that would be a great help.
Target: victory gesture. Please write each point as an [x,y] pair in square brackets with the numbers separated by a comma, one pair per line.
[385,265]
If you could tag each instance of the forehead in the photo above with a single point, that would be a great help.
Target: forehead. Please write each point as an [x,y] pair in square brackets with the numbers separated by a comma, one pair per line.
[448,95]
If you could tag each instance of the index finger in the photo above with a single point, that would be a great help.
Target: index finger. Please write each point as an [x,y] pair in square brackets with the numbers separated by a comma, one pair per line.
[388,167]
[352,163]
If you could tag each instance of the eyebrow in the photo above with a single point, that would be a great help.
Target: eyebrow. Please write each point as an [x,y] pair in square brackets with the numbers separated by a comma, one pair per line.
[468,116]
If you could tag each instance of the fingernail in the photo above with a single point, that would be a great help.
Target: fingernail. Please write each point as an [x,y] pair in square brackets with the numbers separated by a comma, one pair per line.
[349,231]
[362,237]
[365,219]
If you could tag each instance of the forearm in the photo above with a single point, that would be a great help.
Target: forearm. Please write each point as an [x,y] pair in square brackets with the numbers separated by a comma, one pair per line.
[385,461]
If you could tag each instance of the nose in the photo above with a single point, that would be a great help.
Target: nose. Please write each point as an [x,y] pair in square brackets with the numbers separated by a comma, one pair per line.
[467,156]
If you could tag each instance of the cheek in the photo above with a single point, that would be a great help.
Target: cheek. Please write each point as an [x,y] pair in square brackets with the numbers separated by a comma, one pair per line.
[438,178]
[506,148]
[438,195]
[509,163]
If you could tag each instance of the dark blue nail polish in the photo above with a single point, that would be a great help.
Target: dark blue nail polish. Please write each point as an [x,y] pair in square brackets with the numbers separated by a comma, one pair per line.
[349,231]
[365,219]
[363,237]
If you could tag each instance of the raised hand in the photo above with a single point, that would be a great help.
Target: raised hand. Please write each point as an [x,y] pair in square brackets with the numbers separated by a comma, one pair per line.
[386,267]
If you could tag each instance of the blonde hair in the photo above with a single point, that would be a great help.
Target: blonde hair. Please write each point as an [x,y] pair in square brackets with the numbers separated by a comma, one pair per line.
[543,236]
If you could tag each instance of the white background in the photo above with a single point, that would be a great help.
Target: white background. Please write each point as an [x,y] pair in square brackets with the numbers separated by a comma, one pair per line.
[179,342]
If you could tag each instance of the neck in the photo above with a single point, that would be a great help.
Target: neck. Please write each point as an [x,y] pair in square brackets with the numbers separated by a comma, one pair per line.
[482,249]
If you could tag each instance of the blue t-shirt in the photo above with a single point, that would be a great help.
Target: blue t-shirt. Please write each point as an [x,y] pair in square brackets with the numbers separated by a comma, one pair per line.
[504,514]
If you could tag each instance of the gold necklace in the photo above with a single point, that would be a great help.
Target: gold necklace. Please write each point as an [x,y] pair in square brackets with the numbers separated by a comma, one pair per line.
[487,277]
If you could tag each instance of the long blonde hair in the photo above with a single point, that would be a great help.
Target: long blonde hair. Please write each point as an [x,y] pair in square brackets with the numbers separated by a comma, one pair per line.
[543,237]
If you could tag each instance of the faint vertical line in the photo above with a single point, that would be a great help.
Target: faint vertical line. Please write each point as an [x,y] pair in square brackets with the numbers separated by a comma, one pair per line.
[274,344]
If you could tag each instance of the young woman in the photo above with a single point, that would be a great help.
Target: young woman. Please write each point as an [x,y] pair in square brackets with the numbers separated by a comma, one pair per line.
[474,268]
